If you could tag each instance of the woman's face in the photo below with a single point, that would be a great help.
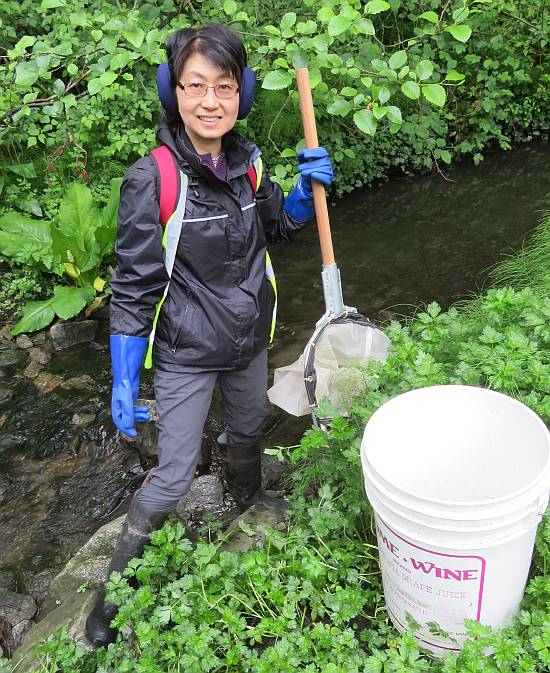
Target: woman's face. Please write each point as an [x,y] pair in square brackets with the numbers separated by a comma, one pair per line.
[206,118]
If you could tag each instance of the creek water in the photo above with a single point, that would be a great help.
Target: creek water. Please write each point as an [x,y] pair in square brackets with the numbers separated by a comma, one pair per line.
[405,242]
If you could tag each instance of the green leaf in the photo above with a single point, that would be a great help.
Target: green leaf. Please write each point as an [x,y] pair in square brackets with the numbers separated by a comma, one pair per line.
[120,59]
[72,69]
[69,301]
[26,240]
[376,6]
[338,24]
[50,4]
[434,93]
[424,69]
[429,16]
[445,156]
[454,76]
[321,42]
[277,79]
[230,7]
[35,316]
[24,42]
[383,94]
[26,73]
[107,78]
[393,113]
[365,121]
[77,223]
[58,86]
[411,90]
[135,36]
[460,32]
[106,233]
[94,86]
[398,59]
[24,170]
[365,26]
[339,107]
[288,20]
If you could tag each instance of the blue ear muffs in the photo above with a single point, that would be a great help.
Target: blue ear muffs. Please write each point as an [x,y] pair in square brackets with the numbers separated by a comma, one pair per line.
[168,98]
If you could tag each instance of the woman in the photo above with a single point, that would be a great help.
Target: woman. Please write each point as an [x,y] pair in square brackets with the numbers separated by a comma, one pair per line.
[209,310]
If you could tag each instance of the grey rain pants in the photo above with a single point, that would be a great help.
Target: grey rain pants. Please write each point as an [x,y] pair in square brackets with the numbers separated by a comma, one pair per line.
[183,400]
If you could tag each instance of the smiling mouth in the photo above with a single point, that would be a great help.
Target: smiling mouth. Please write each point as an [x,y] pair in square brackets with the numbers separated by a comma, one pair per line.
[209,120]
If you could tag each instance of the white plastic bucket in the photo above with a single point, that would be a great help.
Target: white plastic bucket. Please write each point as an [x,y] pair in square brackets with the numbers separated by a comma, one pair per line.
[458,478]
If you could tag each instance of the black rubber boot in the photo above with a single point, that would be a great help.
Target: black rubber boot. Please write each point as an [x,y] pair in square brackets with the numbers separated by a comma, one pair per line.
[133,538]
[242,469]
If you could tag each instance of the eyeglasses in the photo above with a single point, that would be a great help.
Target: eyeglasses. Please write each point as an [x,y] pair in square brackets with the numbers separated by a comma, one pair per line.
[198,89]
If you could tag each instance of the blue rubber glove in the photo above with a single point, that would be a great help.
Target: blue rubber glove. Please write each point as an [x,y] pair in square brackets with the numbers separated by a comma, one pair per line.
[314,163]
[127,353]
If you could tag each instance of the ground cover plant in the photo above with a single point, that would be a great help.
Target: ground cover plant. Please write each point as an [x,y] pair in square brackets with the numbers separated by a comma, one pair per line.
[309,598]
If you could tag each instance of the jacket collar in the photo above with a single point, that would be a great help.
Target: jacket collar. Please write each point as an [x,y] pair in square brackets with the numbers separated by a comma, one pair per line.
[239,152]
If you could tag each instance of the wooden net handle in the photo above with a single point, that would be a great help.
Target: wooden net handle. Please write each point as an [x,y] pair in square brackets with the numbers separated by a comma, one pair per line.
[319,196]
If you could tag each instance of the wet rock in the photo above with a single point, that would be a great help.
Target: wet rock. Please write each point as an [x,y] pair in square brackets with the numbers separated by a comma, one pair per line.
[7,489]
[66,334]
[10,357]
[89,565]
[3,419]
[71,615]
[205,494]
[40,339]
[16,607]
[20,630]
[7,643]
[22,341]
[78,383]
[274,470]
[40,355]
[39,585]
[7,580]
[45,382]
[5,334]
[257,515]
[82,420]
[32,370]
[5,395]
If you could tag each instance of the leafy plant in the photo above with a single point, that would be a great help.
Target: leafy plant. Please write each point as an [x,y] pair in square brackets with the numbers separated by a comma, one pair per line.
[73,246]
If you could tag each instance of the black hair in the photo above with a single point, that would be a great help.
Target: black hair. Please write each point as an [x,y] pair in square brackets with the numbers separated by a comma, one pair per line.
[216,42]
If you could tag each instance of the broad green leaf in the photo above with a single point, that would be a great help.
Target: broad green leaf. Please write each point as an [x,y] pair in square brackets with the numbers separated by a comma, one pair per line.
[365,121]
[26,240]
[393,113]
[69,301]
[35,316]
[288,20]
[25,42]
[321,42]
[348,91]
[383,94]
[325,14]
[230,7]
[77,221]
[398,59]
[106,233]
[454,76]
[339,107]
[277,79]
[96,34]
[411,90]
[24,170]
[26,73]
[94,86]
[424,69]
[72,69]
[58,86]
[120,59]
[376,6]
[460,32]
[135,36]
[338,24]
[445,156]
[50,4]
[429,16]
[107,78]
[434,93]
[365,26]
[378,112]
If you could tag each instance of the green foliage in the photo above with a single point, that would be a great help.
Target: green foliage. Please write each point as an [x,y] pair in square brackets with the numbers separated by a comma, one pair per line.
[425,83]
[73,246]
[19,284]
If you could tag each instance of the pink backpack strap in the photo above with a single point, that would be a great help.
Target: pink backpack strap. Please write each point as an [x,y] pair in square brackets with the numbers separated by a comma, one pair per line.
[168,181]
[252,176]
